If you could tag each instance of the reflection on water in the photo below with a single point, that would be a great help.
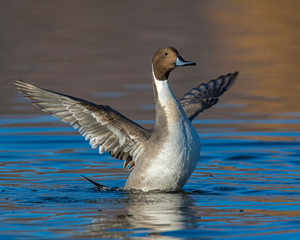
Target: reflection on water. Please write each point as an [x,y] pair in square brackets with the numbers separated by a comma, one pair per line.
[150,214]
[247,181]
[243,180]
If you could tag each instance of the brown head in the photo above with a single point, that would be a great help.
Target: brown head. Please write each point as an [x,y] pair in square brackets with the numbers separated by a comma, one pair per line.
[165,60]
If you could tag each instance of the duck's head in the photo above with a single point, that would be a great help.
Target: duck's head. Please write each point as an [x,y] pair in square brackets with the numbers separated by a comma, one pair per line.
[165,60]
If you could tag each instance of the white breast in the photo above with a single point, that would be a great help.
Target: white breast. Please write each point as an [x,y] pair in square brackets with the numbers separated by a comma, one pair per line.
[178,154]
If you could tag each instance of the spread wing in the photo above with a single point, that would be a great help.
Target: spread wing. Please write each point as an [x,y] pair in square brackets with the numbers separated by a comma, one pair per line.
[101,125]
[206,95]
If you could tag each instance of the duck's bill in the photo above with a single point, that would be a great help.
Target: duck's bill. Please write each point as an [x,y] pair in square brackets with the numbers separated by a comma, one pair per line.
[181,62]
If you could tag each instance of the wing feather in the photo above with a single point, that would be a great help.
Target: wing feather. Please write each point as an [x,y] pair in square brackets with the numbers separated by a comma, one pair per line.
[206,95]
[104,127]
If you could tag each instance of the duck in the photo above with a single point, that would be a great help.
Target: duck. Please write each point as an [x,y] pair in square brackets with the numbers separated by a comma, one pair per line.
[161,158]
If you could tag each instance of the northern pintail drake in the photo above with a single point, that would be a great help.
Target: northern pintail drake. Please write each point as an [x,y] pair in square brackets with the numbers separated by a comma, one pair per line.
[162,158]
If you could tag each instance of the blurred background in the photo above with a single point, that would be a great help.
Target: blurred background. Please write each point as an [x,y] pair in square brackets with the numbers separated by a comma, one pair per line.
[247,180]
[102,50]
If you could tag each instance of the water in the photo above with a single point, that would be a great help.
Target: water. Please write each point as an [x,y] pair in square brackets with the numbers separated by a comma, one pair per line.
[247,182]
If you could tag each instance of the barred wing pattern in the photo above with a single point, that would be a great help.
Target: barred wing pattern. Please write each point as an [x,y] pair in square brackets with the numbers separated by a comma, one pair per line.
[101,125]
[206,95]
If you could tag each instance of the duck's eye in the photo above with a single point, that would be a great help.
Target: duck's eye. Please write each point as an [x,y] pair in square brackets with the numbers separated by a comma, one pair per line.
[166,54]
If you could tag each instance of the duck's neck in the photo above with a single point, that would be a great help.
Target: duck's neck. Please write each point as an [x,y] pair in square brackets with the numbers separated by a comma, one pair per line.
[162,91]
[166,103]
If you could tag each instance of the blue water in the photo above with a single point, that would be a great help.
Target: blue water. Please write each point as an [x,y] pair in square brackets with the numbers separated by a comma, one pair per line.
[247,181]
[246,185]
